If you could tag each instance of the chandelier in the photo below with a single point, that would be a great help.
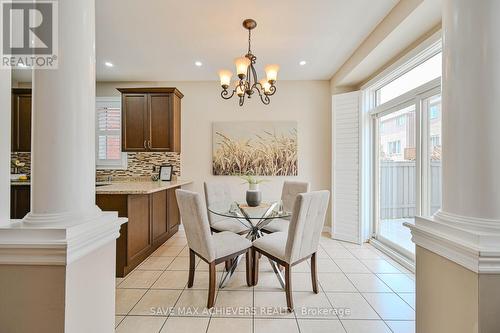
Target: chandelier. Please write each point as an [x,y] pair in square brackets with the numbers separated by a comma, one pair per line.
[248,83]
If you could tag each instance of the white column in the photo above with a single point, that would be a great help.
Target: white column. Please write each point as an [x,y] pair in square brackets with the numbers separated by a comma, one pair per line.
[466,229]
[63,139]
[471,108]
[63,275]
[5,114]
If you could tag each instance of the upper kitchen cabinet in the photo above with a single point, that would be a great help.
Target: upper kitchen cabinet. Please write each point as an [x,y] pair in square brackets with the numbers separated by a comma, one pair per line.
[151,119]
[21,120]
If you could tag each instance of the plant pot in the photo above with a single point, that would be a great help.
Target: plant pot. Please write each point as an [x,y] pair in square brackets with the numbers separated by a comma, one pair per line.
[254,198]
[253,187]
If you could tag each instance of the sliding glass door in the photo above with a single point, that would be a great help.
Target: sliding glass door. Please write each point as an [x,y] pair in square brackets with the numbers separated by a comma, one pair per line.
[397,175]
[407,167]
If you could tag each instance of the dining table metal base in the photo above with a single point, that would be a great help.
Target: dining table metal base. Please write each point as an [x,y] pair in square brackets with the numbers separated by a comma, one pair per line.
[254,233]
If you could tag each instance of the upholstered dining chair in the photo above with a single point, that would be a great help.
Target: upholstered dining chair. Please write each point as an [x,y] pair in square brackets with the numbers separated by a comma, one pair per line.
[212,248]
[288,194]
[219,194]
[300,243]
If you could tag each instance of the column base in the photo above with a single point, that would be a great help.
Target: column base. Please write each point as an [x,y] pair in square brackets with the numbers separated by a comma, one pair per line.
[59,279]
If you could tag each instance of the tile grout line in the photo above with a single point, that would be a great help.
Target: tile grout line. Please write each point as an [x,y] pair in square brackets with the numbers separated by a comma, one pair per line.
[377,275]
[148,289]
[328,298]
[359,293]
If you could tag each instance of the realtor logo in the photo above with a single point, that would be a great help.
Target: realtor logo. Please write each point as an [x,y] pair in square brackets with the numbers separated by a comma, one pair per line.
[29,34]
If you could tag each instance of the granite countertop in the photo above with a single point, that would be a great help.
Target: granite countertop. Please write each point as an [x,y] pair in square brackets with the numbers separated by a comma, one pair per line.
[28,182]
[142,187]
[20,182]
[127,187]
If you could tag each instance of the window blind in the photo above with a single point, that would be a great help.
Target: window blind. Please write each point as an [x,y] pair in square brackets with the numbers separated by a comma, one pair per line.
[108,133]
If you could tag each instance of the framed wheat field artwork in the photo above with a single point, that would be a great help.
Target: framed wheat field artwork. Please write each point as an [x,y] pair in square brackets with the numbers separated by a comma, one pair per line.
[254,148]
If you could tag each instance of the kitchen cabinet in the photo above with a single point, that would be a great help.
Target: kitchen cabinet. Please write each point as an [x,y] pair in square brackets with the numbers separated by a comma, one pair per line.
[152,219]
[21,120]
[174,215]
[20,203]
[159,215]
[151,119]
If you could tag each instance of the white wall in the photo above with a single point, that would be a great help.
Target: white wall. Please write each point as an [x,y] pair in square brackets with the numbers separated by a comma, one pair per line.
[307,102]
[5,92]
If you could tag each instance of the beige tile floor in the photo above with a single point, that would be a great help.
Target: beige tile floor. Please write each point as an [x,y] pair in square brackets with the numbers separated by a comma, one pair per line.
[361,290]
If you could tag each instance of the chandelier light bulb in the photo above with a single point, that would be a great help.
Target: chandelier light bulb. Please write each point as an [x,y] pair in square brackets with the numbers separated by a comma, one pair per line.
[242,64]
[225,78]
[272,73]
[266,86]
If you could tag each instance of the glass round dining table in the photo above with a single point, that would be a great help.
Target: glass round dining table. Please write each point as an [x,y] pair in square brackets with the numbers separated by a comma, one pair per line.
[254,219]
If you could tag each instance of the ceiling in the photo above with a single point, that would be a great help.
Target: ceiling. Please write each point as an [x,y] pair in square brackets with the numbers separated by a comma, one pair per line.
[160,40]
[421,20]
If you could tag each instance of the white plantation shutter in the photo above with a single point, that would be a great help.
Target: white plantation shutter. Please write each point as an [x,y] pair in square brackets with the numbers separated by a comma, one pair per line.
[108,134]
[346,224]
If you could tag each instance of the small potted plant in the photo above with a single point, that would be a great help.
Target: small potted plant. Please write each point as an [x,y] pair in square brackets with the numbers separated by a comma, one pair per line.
[253,195]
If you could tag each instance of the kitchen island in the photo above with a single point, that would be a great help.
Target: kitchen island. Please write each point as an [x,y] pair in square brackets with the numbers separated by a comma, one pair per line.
[153,217]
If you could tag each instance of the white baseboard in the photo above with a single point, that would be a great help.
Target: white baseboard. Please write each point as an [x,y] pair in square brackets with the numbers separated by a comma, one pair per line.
[396,256]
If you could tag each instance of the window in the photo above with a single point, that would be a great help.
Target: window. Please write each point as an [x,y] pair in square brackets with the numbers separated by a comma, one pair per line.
[435,141]
[434,112]
[419,75]
[394,147]
[108,134]
[400,121]
[403,146]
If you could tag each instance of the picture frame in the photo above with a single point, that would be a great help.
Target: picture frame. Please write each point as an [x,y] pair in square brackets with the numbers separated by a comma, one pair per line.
[166,172]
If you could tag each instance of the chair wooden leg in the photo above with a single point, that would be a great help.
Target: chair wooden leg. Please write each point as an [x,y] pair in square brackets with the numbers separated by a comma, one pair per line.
[255,270]
[211,285]
[248,261]
[314,273]
[228,264]
[192,264]
[288,287]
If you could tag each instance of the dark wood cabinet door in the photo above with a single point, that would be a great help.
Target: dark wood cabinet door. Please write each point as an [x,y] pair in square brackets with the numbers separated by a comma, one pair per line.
[159,215]
[139,228]
[21,120]
[160,120]
[134,122]
[20,201]
[174,216]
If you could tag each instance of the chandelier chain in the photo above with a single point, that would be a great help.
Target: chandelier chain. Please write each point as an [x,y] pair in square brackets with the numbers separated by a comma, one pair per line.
[249,41]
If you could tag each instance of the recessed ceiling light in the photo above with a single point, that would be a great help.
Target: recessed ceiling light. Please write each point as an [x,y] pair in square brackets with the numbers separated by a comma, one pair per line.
[302,62]
[108,64]
[198,63]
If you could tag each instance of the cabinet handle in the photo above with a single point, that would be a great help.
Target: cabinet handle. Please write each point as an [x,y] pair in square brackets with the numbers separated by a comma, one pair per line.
[145,147]
[149,144]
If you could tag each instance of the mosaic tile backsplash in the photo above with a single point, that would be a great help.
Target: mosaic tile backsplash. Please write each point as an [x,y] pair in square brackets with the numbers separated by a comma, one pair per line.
[23,158]
[139,165]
